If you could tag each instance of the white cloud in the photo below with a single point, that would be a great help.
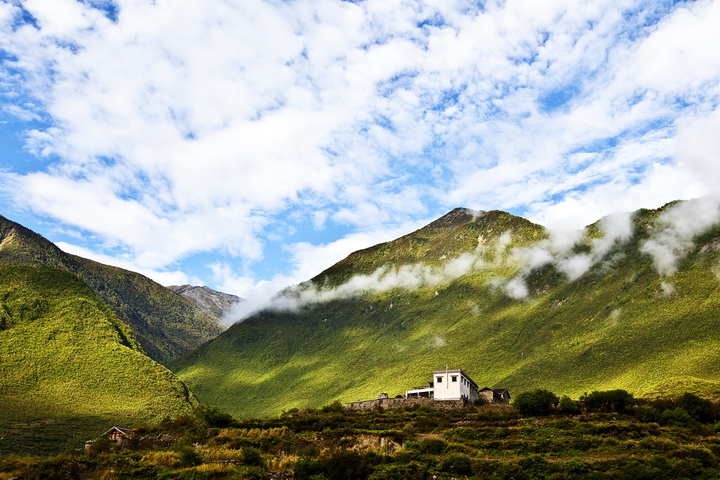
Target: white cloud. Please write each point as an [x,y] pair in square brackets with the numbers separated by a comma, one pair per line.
[188,127]
[678,226]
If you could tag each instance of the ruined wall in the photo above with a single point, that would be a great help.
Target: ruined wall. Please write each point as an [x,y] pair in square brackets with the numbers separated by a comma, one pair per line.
[407,402]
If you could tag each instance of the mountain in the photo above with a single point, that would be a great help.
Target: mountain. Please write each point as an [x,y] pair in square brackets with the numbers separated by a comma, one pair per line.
[70,367]
[165,324]
[631,303]
[210,301]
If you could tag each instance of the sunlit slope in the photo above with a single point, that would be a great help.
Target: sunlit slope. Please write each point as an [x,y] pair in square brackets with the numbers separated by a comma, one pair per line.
[69,367]
[166,324]
[619,325]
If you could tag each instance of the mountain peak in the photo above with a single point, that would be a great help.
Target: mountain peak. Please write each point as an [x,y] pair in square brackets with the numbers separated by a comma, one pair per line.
[206,298]
[456,216]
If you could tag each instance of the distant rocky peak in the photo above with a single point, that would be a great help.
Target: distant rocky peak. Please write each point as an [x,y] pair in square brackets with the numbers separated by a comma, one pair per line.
[212,301]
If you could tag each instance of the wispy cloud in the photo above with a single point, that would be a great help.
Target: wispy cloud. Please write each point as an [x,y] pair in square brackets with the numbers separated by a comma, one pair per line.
[678,226]
[168,129]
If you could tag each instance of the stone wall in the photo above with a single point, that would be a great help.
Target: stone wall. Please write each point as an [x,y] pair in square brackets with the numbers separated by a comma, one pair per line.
[407,402]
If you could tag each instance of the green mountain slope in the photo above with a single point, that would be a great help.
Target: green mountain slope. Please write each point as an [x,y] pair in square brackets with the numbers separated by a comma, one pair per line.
[69,368]
[165,323]
[462,292]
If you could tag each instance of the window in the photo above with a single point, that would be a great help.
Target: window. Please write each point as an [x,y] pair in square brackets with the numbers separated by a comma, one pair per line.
[439,379]
[454,378]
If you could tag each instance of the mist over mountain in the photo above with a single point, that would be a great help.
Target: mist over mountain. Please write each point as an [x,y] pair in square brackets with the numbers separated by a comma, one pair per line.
[510,302]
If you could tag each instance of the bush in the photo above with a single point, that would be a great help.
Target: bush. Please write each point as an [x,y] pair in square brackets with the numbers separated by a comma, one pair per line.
[678,417]
[335,407]
[215,417]
[608,401]
[535,402]
[433,446]
[457,464]
[698,408]
[252,456]
[648,413]
[568,405]
[306,469]
[347,466]
[188,457]
[397,471]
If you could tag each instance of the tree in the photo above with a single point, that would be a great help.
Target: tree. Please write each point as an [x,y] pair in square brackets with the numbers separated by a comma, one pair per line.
[608,401]
[698,408]
[535,402]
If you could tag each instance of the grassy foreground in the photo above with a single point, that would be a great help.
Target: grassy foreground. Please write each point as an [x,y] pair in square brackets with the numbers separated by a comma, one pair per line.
[653,440]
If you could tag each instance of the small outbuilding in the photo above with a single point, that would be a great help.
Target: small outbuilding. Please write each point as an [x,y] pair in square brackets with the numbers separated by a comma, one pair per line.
[120,436]
[494,396]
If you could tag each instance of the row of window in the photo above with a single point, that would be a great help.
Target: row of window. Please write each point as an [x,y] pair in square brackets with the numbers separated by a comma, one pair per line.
[454,379]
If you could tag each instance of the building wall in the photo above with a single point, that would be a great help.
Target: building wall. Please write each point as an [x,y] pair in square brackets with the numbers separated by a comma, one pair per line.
[487,395]
[446,388]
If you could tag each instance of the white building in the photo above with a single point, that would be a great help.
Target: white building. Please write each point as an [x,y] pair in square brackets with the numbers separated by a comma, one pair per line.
[447,385]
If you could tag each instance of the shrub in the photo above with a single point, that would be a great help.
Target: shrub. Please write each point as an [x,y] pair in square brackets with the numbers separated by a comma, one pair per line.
[457,464]
[397,471]
[346,466]
[335,407]
[306,469]
[698,408]
[252,456]
[215,417]
[535,402]
[677,416]
[648,413]
[188,457]
[433,446]
[568,405]
[608,401]
[57,468]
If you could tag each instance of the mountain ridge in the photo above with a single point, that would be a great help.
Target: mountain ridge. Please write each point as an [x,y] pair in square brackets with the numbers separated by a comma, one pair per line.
[493,294]
[166,324]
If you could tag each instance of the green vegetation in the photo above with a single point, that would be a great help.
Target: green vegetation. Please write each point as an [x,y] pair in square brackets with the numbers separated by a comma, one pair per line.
[619,326]
[70,367]
[483,442]
[166,324]
[536,402]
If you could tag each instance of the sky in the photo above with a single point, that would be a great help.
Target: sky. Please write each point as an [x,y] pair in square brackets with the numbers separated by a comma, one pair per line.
[248,145]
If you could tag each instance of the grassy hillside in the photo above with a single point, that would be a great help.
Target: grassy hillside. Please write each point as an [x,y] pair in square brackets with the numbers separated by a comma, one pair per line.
[165,323]
[69,367]
[618,325]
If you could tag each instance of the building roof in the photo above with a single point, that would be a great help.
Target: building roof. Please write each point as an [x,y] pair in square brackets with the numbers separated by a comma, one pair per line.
[122,430]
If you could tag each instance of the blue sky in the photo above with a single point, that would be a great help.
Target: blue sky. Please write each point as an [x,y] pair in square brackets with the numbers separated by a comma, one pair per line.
[248,145]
